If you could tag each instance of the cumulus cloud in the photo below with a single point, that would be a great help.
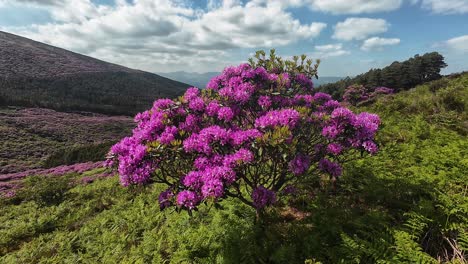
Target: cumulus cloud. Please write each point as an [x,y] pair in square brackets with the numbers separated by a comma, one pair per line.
[328,6]
[166,35]
[446,6]
[340,6]
[459,44]
[354,6]
[330,50]
[377,43]
[355,28]
[40,2]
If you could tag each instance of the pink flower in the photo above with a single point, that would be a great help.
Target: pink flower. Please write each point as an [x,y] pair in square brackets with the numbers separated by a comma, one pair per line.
[262,197]
[187,199]
[299,164]
[334,148]
[332,168]
[284,117]
[225,113]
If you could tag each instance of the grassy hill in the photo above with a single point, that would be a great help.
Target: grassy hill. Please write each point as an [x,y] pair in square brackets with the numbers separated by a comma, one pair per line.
[31,135]
[39,75]
[407,204]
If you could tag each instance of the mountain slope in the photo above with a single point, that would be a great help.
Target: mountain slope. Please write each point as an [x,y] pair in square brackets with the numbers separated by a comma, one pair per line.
[37,74]
[325,79]
[193,78]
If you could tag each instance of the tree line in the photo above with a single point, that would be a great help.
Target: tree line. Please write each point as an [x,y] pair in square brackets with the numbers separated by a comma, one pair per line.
[398,75]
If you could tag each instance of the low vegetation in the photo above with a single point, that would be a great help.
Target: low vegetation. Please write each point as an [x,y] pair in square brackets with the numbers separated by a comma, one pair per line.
[79,154]
[34,136]
[408,204]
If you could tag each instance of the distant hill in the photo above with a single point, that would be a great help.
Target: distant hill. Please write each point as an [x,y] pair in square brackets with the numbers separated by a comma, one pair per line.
[325,80]
[201,79]
[37,74]
[193,78]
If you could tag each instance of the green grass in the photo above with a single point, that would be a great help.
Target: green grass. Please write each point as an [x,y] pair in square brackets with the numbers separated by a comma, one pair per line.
[407,204]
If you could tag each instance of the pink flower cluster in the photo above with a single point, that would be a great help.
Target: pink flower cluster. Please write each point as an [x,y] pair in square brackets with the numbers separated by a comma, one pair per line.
[342,121]
[355,94]
[250,128]
[262,197]
[284,117]
[299,164]
[133,169]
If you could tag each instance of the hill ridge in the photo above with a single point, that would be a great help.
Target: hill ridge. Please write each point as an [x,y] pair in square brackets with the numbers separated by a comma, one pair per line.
[35,74]
[12,39]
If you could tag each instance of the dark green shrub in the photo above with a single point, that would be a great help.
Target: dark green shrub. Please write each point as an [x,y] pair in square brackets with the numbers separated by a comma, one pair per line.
[79,154]
[46,190]
[436,85]
[453,99]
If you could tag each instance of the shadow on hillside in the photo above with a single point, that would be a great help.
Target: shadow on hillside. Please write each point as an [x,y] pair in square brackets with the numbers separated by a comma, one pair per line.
[362,206]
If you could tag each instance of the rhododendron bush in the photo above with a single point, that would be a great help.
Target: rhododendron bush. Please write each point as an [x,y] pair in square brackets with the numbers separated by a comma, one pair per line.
[254,133]
[356,94]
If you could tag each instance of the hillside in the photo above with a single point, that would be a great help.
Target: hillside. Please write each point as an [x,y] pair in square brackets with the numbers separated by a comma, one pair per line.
[31,135]
[407,204]
[37,74]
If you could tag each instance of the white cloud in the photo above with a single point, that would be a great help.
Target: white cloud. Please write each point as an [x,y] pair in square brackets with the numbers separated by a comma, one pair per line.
[446,6]
[354,6]
[459,44]
[330,50]
[253,26]
[329,47]
[377,43]
[340,6]
[359,28]
[164,35]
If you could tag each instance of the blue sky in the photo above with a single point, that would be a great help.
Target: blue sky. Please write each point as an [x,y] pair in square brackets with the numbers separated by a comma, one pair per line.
[349,36]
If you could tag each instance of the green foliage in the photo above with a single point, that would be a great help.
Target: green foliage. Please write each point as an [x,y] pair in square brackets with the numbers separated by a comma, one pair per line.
[273,63]
[45,190]
[424,170]
[438,84]
[78,154]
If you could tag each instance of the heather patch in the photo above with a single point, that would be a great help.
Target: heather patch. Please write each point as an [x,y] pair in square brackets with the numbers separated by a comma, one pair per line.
[31,135]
